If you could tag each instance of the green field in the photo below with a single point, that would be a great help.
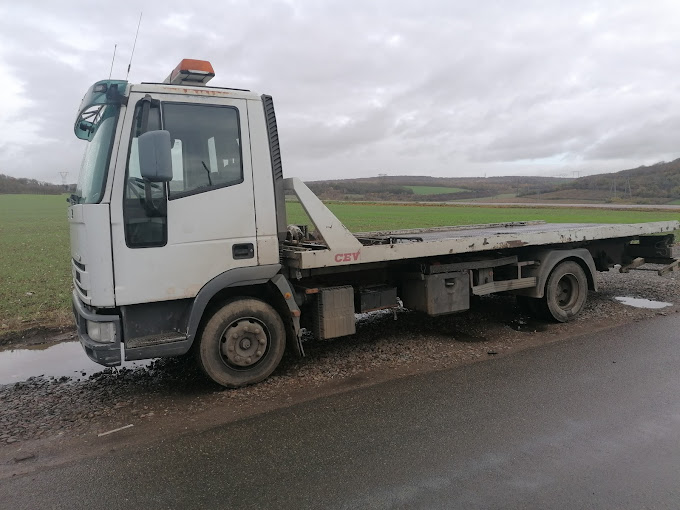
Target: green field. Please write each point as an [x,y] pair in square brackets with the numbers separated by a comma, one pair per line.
[361,217]
[434,190]
[35,274]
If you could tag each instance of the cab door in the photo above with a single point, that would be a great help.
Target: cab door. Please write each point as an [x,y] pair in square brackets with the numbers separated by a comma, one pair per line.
[170,239]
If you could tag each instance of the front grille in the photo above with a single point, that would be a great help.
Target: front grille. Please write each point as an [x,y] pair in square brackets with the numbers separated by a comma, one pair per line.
[77,277]
[84,292]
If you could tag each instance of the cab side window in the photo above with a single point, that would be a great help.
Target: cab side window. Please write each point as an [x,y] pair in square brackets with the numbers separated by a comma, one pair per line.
[144,208]
[206,151]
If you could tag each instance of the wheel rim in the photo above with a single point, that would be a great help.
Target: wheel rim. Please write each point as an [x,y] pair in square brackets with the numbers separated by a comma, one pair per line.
[567,291]
[244,343]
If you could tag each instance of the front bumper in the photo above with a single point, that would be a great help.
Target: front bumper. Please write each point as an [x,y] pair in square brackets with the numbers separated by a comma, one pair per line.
[104,353]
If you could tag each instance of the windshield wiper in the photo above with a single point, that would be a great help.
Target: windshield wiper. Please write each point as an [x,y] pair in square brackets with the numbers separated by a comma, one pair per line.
[207,170]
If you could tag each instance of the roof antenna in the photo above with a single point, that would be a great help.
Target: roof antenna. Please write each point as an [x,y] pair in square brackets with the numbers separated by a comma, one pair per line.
[133,46]
[113,59]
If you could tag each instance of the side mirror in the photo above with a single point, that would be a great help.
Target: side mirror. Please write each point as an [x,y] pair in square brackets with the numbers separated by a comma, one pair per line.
[155,160]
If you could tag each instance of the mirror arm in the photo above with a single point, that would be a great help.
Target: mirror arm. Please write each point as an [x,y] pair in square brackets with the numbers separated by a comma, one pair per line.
[146,106]
[151,210]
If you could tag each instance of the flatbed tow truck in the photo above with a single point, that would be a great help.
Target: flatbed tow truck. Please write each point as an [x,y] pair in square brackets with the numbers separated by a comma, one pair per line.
[180,242]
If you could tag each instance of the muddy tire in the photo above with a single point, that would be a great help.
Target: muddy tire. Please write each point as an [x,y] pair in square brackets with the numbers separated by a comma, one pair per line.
[566,292]
[242,343]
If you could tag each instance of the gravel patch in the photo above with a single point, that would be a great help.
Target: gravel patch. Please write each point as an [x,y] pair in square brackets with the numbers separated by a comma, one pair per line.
[43,408]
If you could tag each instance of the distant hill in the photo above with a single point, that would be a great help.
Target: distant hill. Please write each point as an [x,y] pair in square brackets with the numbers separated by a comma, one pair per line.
[425,188]
[655,184]
[14,185]
[658,183]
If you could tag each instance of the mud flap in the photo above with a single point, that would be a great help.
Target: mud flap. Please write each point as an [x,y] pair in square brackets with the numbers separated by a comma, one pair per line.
[294,341]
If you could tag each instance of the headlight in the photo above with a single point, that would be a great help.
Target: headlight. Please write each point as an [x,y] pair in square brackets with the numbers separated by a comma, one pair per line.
[104,332]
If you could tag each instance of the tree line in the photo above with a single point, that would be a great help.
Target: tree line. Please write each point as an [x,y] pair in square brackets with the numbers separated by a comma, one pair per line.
[22,185]
[395,187]
[658,183]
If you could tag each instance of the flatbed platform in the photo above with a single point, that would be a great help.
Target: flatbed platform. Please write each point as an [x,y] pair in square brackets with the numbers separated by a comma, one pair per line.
[465,231]
[341,247]
[415,243]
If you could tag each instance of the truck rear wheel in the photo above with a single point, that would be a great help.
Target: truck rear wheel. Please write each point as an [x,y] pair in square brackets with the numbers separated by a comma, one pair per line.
[566,291]
[242,343]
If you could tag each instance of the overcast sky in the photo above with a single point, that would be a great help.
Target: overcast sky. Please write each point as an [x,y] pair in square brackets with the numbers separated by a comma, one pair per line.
[450,88]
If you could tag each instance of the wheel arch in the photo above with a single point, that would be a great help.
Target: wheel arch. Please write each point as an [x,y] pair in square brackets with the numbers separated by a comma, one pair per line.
[260,282]
[244,281]
[549,259]
[589,270]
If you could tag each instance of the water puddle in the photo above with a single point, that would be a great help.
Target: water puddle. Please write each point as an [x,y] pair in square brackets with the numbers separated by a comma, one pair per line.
[51,360]
[642,303]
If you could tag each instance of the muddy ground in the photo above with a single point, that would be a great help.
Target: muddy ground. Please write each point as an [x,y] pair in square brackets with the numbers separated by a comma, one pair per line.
[42,417]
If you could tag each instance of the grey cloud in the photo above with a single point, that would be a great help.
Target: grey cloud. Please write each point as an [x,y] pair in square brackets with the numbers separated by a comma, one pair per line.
[445,88]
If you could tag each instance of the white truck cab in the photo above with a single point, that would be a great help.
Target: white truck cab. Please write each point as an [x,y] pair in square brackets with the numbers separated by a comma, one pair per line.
[179,238]
[143,245]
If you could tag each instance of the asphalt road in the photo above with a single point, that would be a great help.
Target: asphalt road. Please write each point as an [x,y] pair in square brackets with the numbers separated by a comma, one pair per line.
[590,422]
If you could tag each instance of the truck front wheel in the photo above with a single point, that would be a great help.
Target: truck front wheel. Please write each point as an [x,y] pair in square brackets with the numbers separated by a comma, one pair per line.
[565,291]
[242,343]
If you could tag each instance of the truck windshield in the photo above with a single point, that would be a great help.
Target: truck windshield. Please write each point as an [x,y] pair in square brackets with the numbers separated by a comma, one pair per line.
[93,169]
[96,123]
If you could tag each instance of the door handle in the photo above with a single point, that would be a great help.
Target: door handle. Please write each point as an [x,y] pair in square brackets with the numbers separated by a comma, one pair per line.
[243,251]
